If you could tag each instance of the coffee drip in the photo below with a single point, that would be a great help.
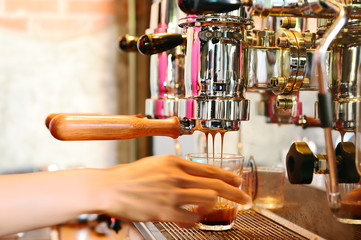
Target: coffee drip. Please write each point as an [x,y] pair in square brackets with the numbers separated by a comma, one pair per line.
[213,134]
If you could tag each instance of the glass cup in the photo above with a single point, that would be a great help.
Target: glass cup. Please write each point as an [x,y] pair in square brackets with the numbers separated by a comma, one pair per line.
[225,212]
[270,187]
[246,186]
[350,210]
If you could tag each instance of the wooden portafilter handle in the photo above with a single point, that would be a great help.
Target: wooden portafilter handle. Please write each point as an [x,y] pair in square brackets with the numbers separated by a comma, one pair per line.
[50,118]
[53,115]
[111,127]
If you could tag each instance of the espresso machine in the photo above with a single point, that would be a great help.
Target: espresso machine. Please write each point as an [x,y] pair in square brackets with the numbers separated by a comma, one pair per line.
[208,56]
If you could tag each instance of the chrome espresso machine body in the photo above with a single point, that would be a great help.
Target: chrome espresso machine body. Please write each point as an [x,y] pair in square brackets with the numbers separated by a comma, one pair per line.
[204,63]
[279,64]
[198,80]
[214,90]
[166,67]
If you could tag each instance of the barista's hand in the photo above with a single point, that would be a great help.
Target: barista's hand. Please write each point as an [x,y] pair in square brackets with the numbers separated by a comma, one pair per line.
[156,188]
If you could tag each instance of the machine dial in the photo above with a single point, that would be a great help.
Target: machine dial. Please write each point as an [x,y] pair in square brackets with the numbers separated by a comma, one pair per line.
[300,163]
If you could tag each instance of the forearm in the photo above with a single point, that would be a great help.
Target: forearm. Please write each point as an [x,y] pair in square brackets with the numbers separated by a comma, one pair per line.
[37,200]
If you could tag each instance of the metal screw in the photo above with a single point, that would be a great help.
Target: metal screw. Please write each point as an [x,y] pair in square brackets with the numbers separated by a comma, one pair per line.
[288,22]
[284,104]
[306,82]
[251,39]
[282,42]
[279,82]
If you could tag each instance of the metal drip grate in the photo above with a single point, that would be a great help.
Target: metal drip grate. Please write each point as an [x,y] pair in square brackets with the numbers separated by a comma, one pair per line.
[249,225]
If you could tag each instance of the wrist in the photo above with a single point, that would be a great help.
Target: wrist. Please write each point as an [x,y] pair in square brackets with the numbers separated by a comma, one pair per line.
[94,183]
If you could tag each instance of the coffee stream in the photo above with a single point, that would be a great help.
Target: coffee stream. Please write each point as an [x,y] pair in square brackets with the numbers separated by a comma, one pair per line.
[214,133]
[206,133]
[222,138]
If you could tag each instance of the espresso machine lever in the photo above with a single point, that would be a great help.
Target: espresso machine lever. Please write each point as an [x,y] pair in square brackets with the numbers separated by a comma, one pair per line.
[154,43]
[151,43]
[210,6]
[128,43]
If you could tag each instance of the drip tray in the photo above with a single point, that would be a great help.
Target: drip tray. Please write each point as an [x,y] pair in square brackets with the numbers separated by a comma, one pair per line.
[250,224]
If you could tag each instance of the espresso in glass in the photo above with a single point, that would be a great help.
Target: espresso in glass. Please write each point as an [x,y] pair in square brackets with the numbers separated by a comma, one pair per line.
[225,211]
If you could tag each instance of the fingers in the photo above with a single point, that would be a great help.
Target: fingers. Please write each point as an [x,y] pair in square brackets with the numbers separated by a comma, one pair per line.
[204,197]
[209,171]
[182,212]
[187,217]
[221,188]
[205,176]
[182,217]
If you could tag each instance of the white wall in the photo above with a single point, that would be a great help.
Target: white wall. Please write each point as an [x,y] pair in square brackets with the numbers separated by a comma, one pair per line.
[39,77]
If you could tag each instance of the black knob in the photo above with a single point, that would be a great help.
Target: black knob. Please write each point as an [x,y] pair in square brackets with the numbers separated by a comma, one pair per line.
[149,44]
[209,6]
[128,43]
[300,163]
[346,166]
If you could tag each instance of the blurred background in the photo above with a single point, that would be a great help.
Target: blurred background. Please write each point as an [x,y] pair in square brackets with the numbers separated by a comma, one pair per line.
[62,56]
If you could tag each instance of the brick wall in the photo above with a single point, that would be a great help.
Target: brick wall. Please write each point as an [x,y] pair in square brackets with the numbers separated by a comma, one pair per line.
[58,18]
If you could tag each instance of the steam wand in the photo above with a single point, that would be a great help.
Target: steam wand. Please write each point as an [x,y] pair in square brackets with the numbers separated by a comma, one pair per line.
[325,100]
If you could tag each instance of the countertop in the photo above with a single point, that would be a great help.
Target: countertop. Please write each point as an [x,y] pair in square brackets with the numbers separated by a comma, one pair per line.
[308,207]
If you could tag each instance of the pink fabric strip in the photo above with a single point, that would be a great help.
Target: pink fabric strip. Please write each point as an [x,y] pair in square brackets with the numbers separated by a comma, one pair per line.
[163,67]
[190,105]
[195,62]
